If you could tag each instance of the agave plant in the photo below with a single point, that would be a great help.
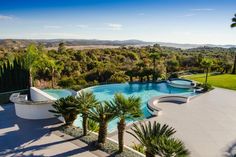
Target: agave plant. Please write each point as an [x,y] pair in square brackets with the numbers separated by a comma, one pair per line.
[125,108]
[85,102]
[66,107]
[148,135]
[170,147]
[139,147]
[102,114]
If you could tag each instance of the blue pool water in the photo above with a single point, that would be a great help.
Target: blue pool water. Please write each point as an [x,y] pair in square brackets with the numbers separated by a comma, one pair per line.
[58,93]
[144,90]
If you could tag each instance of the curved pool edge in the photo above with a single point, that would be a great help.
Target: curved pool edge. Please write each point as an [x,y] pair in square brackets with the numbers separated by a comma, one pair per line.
[102,89]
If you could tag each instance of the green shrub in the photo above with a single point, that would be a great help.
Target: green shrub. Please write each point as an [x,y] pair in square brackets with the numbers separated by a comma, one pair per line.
[174,75]
[93,126]
[66,82]
[119,77]
[140,148]
[207,87]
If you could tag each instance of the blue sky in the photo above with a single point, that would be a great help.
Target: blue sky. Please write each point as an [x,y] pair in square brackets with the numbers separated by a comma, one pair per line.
[179,21]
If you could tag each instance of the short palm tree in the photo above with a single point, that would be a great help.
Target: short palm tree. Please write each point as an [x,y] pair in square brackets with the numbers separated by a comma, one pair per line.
[148,135]
[125,108]
[206,64]
[66,107]
[85,101]
[170,147]
[102,114]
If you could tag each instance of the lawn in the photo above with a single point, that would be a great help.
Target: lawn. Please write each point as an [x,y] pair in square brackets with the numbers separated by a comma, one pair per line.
[224,81]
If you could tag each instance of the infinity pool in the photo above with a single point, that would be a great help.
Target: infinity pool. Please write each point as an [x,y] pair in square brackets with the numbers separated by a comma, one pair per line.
[144,90]
[58,93]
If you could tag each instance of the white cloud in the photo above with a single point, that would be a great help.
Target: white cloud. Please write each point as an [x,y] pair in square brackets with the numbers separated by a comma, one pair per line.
[4,17]
[188,15]
[52,27]
[82,26]
[53,35]
[114,26]
[202,9]
[141,14]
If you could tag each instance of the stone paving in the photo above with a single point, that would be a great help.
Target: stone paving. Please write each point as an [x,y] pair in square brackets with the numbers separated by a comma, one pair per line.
[19,137]
[207,124]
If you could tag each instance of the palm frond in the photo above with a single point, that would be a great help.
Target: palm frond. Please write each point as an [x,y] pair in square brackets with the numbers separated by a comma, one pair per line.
[233,25]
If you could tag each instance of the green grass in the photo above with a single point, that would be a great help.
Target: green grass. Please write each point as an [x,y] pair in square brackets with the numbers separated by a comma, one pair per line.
[227,81]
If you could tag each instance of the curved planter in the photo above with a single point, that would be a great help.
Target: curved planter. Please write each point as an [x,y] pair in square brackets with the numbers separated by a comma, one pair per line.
[31,110]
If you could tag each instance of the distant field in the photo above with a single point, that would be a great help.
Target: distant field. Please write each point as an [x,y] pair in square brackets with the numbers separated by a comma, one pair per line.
[227,81]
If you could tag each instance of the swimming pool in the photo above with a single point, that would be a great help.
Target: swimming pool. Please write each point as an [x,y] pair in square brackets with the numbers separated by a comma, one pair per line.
[144,90]
[58,93]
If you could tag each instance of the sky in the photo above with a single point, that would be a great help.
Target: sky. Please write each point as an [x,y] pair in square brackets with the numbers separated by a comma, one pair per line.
[176,21]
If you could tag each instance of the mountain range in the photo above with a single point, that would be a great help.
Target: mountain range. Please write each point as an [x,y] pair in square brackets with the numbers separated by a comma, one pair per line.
[83,42]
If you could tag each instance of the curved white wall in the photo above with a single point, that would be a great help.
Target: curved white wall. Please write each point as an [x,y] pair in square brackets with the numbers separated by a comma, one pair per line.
[39,95]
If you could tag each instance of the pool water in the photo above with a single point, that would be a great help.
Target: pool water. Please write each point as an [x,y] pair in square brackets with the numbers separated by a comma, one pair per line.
[143,90]
[58,93]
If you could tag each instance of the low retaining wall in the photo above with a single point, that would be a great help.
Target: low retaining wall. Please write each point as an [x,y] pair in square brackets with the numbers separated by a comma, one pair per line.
[153,102]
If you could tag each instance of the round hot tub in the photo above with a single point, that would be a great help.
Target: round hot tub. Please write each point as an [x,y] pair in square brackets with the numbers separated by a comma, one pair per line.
[181,83]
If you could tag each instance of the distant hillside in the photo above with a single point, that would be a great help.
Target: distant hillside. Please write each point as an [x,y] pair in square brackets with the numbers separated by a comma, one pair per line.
[190,46]
[70,42]
[16,43]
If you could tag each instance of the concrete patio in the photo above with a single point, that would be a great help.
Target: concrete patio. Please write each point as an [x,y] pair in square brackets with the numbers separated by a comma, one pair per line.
[207,124]
[19,137]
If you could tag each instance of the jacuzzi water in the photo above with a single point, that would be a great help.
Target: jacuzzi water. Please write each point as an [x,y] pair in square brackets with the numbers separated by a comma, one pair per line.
[181,82]
[143,90]
[58,93]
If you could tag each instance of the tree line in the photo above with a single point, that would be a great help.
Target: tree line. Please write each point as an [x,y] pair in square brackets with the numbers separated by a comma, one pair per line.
[71,68]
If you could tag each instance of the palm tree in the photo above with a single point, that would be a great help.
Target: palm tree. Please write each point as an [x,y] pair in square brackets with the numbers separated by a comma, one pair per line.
[206,64]
[31,60]
[148,135]
[141,65]
[233,21]
[66,107]
[125,108]
[232,26]
[154,57]
[102,114]
[130,73]
[85,101]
